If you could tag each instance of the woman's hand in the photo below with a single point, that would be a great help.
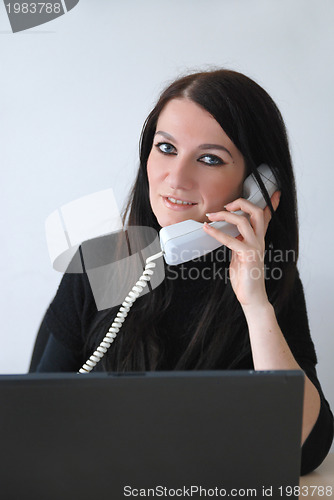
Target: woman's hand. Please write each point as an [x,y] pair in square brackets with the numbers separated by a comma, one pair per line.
[248,249]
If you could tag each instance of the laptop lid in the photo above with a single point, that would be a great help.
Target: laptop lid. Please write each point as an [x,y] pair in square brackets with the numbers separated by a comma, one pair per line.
[158,434]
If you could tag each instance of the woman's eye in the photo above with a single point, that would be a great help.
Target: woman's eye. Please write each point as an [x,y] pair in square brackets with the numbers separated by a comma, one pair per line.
[166,148]
[211,160]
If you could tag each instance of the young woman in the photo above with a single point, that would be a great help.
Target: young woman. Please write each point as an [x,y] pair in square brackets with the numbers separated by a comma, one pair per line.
[205,135]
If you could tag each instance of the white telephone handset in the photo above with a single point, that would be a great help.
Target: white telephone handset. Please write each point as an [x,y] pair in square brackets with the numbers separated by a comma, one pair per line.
[186,240]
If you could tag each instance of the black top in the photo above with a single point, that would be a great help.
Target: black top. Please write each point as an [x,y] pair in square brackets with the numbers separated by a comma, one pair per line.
[71,313]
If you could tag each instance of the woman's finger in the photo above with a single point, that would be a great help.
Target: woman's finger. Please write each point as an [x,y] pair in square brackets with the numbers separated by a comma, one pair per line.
[225,239]
[240,221]
[259,219]
[254,212]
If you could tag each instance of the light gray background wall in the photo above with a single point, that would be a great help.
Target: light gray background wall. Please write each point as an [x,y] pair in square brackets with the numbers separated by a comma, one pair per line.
[74,95]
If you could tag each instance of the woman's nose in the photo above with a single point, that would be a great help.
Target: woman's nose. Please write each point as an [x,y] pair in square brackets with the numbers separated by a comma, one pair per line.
[181,174]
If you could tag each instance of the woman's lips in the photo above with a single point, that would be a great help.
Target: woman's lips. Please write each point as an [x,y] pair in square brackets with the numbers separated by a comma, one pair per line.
[177,203]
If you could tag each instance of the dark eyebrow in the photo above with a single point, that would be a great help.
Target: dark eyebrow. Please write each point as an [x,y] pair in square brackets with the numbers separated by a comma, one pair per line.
[165,134]
[215,146]
[202,146]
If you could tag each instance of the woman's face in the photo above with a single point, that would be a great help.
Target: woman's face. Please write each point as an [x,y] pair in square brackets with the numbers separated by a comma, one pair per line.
[193,167]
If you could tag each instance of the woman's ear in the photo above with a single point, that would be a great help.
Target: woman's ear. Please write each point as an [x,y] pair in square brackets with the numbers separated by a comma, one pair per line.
[275,199]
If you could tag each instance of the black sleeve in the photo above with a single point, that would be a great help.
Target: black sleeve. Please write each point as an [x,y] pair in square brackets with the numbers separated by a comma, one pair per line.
[39,347]
[58,358]
[70,313]
[62,335]
[295,327]
[318,443]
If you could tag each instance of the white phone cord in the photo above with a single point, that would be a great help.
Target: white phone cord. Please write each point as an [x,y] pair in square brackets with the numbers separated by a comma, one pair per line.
[121,315]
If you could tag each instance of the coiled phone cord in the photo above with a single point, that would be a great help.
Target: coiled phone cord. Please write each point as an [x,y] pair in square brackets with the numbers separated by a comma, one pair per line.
[121,315]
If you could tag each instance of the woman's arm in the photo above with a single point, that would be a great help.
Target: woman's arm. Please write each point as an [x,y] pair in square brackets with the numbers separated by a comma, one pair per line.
[270,350]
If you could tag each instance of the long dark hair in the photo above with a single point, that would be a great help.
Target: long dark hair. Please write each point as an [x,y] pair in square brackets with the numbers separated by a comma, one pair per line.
[253,122]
